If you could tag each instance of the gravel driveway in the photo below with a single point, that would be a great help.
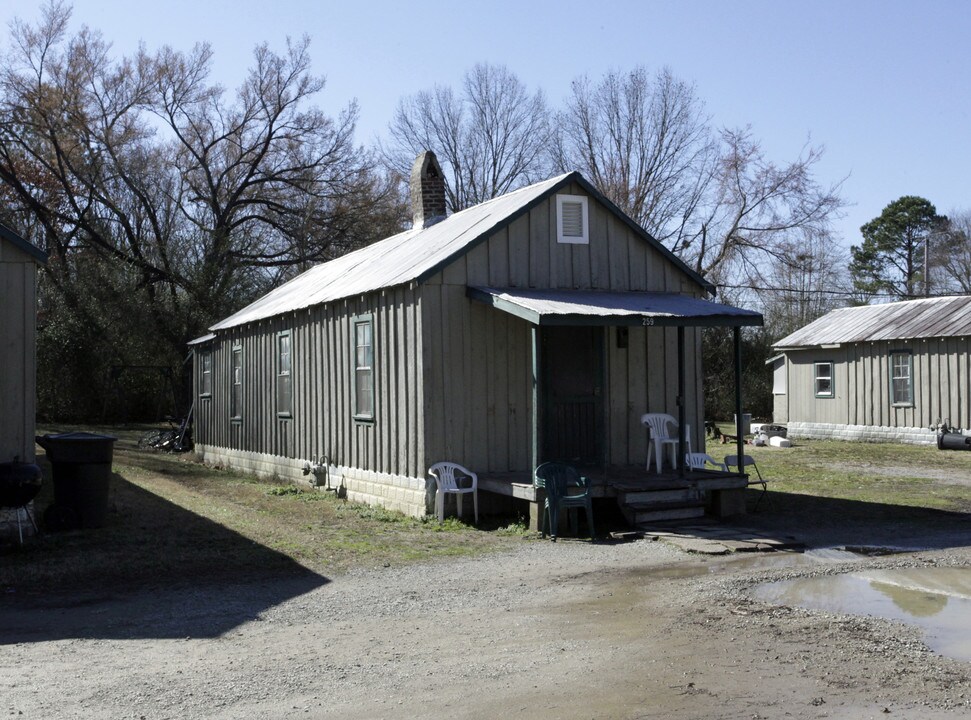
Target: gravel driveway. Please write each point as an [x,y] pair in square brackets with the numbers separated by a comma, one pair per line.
[565,630]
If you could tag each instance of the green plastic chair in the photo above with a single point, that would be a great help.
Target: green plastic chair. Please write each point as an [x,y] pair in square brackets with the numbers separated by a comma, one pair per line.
[558,479]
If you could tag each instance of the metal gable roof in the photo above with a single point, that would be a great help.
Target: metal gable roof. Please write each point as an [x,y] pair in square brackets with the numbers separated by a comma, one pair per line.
[417,254]
[924,318]
[600,307]
[21,244]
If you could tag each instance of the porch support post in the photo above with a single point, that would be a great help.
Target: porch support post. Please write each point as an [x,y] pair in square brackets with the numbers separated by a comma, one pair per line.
[681,418]
[739,440]
[535,419]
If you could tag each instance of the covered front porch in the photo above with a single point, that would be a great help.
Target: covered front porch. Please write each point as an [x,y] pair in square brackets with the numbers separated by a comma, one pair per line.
[589,392]
[643,496]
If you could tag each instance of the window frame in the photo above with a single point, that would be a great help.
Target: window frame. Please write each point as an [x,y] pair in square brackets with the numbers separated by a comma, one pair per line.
[236,401]
[284,376]
[583,239]
[831,377]
[205,373]
[909,354]
[368,414]
[780,376]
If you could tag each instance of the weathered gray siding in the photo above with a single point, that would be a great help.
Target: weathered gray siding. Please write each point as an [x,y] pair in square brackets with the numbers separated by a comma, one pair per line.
[453,376]
[941,384]
[478,359]
[322,422]
[18,309]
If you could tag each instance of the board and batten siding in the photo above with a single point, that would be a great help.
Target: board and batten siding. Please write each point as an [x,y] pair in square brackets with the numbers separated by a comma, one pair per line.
[18,311]
[941,385]
[322,422]
[478,379]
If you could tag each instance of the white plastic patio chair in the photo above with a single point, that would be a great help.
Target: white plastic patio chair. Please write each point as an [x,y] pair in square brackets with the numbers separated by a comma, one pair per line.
[731,461]
[448,476]
[660,439]
[701,461]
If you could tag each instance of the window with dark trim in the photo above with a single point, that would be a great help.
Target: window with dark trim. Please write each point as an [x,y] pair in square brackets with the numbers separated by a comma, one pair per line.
[823,379]
[902,377]
[236,378]
[363,363]
[284,384]
[205,374]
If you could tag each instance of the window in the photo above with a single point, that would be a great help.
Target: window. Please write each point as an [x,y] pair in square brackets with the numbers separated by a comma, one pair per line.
[572,225]
[902,378]
[824,379]
[363,388]
[236,392]
[284,387]
[205,374]
[779,376]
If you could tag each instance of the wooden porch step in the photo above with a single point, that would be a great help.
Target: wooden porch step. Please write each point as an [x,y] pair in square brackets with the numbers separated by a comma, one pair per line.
[649,484]
[675,495]
[639,513]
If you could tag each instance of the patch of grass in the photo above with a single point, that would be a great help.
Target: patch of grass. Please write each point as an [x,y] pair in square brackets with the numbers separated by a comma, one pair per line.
[915,476]
[175,521]
[284,491]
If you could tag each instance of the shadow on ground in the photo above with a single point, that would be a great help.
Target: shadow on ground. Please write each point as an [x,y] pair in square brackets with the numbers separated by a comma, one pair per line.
[830,522]
[155,570]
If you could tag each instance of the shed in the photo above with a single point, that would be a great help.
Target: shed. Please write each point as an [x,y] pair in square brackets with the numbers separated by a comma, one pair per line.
[541,324]
[890,372]
[18,313]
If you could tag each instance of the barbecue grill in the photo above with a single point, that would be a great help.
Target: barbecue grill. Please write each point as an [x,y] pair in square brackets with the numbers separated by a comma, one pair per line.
[19,484]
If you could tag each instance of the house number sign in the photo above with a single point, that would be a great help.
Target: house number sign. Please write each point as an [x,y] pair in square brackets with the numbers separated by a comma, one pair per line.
[647,322]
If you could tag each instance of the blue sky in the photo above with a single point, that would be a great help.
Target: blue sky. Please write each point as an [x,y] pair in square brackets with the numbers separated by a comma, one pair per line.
[884,85]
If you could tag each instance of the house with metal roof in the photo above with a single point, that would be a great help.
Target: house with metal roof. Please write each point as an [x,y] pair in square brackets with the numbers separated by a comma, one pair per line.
[538,325]
[890,372]
[18,312]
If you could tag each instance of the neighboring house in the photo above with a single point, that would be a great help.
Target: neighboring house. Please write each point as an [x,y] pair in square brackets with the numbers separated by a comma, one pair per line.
[18,312]
[537,325]
[888,372]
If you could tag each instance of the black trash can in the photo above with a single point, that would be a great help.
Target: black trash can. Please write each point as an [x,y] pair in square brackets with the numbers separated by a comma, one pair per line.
[81,463]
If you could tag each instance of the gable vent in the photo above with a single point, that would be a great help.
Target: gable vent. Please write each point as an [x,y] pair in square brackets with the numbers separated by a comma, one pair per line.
[571,219]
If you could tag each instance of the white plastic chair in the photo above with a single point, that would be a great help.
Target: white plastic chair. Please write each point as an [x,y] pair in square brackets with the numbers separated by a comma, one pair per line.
[731,461]
[447,476]
[658,424]
[700,461]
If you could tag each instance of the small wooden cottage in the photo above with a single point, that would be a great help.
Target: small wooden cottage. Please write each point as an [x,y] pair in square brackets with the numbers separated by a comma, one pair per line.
[541,324]
[888,372]
[18,312]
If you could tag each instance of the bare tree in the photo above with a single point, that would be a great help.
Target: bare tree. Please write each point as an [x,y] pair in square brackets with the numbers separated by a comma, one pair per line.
[143,160]
[755,206]
[802,281]
[644,141]
[717,201]
[489,140]
[199,201]
[950,254]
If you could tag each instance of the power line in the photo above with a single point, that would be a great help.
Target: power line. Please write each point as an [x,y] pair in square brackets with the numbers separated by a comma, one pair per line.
[838,293]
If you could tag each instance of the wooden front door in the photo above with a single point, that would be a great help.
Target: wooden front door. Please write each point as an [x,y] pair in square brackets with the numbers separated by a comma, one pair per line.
[572,391]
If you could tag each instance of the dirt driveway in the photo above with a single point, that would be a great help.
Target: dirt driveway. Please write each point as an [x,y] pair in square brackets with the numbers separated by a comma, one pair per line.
[571,630]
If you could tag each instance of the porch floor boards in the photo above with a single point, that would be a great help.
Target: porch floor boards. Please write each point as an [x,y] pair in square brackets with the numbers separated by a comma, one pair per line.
[618,480]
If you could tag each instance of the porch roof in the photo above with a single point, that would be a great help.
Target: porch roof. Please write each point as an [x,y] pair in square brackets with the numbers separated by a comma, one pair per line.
[598,307]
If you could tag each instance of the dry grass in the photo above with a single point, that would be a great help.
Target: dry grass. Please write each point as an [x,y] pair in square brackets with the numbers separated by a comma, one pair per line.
[172,520]
[175,521]
[917,476]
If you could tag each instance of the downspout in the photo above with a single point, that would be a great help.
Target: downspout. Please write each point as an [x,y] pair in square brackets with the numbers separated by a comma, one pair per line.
[535,445]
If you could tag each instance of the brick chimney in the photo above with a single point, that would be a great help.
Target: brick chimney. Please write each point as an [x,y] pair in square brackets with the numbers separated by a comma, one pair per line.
[427,191]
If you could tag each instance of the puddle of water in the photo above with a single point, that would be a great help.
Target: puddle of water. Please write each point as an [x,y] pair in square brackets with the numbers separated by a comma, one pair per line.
[831,554]
[742,562]
[938,600]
